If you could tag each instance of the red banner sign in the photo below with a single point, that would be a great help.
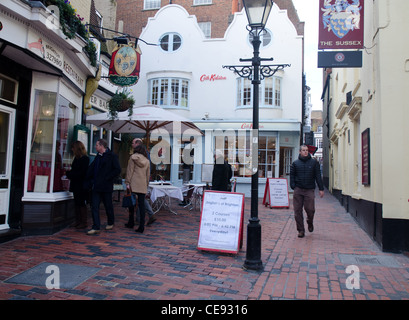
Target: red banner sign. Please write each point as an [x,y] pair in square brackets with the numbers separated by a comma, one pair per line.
[341,24]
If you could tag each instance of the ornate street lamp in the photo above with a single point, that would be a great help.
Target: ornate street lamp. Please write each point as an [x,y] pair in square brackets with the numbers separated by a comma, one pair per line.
[257,12]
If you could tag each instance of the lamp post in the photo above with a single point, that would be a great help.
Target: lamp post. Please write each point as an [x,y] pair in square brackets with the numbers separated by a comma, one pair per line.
[257,12]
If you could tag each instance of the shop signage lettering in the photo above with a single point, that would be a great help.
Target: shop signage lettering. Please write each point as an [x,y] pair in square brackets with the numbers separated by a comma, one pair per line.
[212,77]
[249,126]
[341,24]
[54,56]
[73,74]
[99,103]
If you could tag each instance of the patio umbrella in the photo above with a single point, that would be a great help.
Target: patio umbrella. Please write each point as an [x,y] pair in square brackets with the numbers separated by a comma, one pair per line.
[144,119]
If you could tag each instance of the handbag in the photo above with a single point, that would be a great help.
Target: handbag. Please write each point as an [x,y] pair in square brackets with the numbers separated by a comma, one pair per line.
[129,200]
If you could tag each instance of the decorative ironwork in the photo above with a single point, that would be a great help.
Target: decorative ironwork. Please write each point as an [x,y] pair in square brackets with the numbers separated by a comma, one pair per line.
[264,72]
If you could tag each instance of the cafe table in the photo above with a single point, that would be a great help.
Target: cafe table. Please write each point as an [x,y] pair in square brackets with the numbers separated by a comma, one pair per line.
[161,196]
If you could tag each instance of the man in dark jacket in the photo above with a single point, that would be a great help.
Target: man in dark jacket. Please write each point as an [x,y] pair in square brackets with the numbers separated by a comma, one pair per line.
[222,173]
[100,177]
[305,172]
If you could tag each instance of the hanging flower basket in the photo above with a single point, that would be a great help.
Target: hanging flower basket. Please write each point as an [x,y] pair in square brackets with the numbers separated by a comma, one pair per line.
[121,101]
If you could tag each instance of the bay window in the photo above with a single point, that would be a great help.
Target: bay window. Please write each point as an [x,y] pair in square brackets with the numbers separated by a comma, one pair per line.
[169,92]
[269,93]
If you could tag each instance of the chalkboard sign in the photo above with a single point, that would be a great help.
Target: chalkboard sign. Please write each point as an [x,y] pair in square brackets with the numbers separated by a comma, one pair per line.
[221,223]
[276,193]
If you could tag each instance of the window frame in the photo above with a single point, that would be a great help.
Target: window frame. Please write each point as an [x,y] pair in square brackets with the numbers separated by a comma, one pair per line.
[151,4]
[244,93]
[171,42]
[163,88]
[202,2]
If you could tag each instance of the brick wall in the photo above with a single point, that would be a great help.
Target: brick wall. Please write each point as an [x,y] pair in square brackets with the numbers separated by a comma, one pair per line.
[219,13]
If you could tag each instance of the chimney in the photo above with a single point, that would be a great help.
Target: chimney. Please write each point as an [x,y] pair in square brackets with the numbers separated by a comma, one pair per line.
[234,6]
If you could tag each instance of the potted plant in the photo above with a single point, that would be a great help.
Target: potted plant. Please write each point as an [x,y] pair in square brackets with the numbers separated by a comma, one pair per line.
[121,101]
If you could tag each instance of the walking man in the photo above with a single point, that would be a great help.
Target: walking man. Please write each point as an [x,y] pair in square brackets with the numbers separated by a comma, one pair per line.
[100,177]
[304,173]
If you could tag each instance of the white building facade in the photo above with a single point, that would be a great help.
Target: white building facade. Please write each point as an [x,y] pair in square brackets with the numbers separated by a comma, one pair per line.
[184,73]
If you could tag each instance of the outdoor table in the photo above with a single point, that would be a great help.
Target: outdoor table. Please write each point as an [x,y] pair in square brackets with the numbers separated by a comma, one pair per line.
[161,196]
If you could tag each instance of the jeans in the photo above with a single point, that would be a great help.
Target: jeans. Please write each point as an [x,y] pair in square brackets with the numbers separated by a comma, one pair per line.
[303,198]
[106,198]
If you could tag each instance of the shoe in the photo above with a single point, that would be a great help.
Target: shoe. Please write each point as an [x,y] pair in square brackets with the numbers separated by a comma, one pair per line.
[129,225]
[311,227]
[151,220]
[140,230]
[93,232]
[301,234]
[109,227]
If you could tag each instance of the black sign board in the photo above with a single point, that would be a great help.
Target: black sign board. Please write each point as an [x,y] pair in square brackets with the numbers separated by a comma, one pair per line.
[340,59]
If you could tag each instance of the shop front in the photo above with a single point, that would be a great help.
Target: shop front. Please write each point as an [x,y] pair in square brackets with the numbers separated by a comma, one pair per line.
[278,143]
[43,79]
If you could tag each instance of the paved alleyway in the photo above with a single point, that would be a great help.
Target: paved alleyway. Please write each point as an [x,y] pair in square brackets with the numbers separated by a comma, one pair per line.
[164,264]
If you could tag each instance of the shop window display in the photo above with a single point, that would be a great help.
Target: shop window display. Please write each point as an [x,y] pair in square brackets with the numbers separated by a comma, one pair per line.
[45,115]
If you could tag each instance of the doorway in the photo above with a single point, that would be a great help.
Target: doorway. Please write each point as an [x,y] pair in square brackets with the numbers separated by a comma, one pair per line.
[7,121]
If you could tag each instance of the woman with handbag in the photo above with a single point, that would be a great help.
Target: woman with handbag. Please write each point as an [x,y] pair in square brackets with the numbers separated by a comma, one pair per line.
[137,181]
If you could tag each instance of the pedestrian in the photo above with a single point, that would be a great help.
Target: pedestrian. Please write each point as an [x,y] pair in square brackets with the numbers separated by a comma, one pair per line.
[305,173]
[137,181]
[222,173]
[148,207]
[100,178]
[77,175]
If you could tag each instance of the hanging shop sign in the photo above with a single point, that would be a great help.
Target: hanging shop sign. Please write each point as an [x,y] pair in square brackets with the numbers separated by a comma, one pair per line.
[341,24]
[125,65]
[340,59]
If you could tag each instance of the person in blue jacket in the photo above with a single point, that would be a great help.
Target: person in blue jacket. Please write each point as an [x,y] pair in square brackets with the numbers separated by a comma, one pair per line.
[100,178]
[305,173]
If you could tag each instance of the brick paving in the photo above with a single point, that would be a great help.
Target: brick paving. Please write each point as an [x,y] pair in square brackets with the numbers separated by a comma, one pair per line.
[164,264]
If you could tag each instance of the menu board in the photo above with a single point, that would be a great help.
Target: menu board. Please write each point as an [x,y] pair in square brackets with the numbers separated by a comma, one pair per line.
[276,193]
[221,223]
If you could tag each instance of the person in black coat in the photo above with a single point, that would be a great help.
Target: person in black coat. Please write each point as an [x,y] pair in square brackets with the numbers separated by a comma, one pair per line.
[305,173]
[77,176]
[222,173]
[100,178]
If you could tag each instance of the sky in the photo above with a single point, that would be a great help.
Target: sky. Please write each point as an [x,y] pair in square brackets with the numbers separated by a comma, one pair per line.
[308,11]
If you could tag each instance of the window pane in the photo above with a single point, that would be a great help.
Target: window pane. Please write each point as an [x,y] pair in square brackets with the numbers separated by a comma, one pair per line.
[7,89]
[177,42]
[4,140]
[175,92]
[42,142]
[164,92]
[152,4]
[247,93]
[277,99]
[198,2]
[64,139]
[155,92]
[268,91]
[164,43]
[185,94]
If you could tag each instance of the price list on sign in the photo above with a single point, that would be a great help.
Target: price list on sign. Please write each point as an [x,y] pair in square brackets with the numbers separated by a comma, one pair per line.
[221,223]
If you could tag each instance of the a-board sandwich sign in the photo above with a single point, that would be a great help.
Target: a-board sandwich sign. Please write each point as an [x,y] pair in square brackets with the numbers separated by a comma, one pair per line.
[221,222]
[276,193]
